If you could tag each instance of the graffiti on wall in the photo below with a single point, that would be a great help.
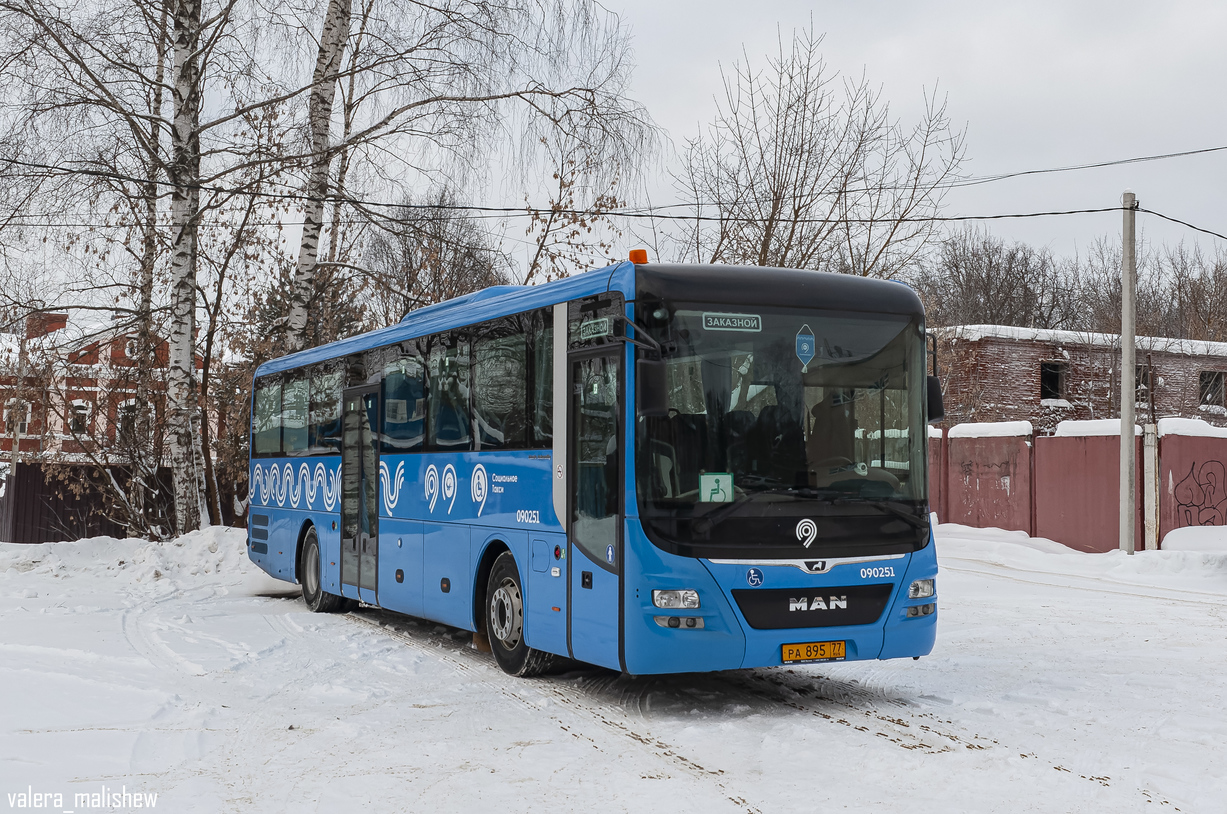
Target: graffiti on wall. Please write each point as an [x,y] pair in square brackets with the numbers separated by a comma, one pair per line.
[1201,496]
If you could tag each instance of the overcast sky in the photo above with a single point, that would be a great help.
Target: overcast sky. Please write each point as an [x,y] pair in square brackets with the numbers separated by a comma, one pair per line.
[1037,84]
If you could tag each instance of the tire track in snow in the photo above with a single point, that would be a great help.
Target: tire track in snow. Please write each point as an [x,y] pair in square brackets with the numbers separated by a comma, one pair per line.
[481,669]
[1091,584]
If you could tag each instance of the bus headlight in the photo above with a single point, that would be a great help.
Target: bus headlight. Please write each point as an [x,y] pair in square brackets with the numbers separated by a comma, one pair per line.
[920,589]
[675,599]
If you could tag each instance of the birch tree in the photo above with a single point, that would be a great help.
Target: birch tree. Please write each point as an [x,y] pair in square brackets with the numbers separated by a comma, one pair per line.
[114,95]
[447,77]
[808,169]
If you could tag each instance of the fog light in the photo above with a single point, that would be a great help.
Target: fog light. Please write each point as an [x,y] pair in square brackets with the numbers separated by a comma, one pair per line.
[689,622]
[921,610]
[920,589]
[675,599]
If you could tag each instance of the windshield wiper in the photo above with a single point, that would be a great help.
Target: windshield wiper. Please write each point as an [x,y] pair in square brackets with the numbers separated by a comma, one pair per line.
[704,524]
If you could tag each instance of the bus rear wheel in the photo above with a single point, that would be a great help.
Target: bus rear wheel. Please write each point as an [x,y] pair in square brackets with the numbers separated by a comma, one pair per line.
[505,622]
[313,593]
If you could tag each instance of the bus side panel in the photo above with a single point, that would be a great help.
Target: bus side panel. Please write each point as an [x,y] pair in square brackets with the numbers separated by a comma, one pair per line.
[400,565]
[447,575]
[286,493]
[545,609]
[914,636]
[594,613]
[650,648]
[283,528]
[327,528]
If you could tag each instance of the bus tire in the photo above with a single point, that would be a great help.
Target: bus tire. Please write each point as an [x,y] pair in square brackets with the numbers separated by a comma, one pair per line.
[505,622]
[313,593]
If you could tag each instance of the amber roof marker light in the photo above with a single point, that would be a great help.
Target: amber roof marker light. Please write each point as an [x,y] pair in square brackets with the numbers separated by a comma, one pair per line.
[639,255]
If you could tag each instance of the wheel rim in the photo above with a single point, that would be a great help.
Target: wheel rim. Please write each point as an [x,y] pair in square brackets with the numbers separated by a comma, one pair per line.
[507,614]
[311,579]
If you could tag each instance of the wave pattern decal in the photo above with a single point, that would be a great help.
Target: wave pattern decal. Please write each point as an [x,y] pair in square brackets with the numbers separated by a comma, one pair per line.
[391,484]
[277,483]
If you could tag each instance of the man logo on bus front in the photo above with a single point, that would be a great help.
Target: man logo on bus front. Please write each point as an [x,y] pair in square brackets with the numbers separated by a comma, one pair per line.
[807,530]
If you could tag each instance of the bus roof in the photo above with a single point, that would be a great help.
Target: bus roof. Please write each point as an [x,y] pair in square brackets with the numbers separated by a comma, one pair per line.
[704,283]
[468,309]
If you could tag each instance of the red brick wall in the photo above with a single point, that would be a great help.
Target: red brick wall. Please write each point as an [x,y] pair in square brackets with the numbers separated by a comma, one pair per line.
[995,379]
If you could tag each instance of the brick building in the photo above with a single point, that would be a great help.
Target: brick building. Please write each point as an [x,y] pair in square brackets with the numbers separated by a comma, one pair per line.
[1001,373]
[70,394]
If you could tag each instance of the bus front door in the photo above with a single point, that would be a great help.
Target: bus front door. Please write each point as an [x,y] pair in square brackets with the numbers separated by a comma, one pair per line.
[594,559]
[360,493]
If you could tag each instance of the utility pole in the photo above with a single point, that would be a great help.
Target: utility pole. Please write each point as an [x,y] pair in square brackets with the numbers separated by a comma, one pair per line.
[1128,391]
[18,411]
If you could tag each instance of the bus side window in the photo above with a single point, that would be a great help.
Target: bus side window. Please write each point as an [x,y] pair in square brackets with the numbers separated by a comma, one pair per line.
[266,418]
[543,379]
[447,411]
[325,422]
[500,384]
[294,404]
[404,401]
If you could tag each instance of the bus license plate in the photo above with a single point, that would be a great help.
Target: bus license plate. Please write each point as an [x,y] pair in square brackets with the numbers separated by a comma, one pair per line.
[813,651]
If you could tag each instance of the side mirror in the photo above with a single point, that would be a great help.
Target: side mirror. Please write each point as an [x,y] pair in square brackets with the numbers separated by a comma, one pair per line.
[937,410]
[651,388]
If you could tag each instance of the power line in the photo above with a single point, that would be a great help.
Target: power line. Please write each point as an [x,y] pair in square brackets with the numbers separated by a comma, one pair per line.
[639,213]
[967,182]
[1183,223]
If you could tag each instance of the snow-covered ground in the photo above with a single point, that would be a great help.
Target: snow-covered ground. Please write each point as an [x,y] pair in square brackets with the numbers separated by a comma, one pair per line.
[1061,682]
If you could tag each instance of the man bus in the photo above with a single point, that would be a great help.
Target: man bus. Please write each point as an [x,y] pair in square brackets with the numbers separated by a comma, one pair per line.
[652,468]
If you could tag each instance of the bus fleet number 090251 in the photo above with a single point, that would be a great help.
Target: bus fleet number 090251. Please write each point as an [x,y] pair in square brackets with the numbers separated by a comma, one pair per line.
[873,573]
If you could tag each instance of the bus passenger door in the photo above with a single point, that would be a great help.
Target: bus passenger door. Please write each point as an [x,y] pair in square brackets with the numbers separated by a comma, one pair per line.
[594,560]
[360,493]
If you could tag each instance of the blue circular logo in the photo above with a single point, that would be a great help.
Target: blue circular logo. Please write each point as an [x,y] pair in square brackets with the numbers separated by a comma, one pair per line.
[754,577]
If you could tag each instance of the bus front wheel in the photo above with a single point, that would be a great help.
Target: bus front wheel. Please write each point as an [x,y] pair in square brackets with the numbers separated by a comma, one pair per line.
[505,622]
[313,593]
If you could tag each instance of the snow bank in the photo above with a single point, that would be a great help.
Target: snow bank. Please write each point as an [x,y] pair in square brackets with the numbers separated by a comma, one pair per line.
[1190,426]
[1179,569]
[134,562]
[1186,347]
[992,429]
[1102,426]
[1211,539]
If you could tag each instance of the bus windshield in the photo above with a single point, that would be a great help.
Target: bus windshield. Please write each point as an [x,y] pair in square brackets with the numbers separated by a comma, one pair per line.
[779,414]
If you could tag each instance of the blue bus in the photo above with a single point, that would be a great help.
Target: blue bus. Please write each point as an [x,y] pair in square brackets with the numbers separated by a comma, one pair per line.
[649,467]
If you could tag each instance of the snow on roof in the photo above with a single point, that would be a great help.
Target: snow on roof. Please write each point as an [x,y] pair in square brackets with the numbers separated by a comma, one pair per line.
[991,429]
[1186,347]
[1190,426]
[1100,426]
[935,432]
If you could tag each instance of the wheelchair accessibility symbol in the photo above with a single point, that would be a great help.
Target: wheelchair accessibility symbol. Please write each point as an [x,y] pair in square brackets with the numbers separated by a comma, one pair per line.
[754,577]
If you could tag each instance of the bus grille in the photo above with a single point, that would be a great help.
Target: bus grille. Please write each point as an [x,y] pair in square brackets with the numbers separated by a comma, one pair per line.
[773,609]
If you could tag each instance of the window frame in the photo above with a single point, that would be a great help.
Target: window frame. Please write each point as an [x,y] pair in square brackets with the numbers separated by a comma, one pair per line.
[69,431]
[369,367]
[408,349]
[121,408]
[26,408]
[315,372]
[1203,392]
[1062,372]
[442,342]
[494,330]
[269,380]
